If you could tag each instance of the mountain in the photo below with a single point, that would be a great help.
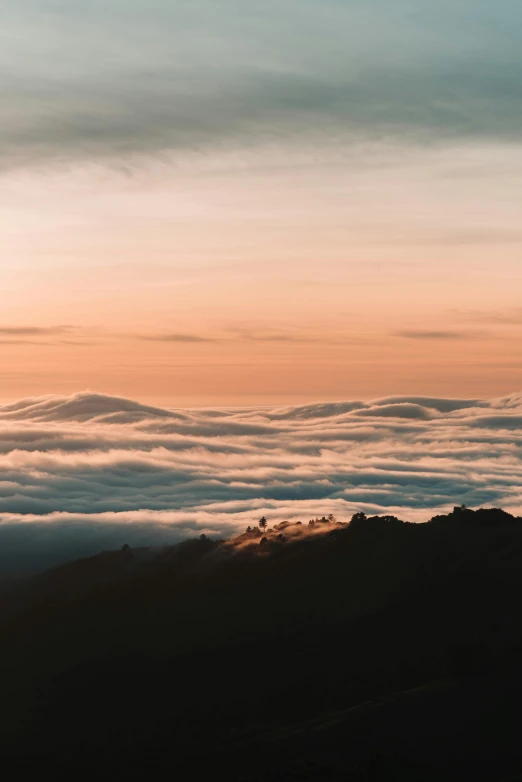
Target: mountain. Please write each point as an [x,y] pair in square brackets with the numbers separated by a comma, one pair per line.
[377,649]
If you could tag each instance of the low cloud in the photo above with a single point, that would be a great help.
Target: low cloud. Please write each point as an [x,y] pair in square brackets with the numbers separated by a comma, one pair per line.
[82,473]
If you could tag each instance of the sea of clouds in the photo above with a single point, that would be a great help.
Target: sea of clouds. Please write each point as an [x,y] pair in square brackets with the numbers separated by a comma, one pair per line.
[90,472]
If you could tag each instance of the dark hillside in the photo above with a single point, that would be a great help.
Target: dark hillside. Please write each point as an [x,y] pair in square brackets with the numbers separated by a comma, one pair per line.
[256,654]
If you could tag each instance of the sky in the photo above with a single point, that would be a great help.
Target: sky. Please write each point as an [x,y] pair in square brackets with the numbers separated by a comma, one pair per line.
[228,203]
[87,472]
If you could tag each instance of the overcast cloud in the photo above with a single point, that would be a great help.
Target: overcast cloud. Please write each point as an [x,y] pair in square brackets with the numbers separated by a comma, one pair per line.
[83,473]
[95,80]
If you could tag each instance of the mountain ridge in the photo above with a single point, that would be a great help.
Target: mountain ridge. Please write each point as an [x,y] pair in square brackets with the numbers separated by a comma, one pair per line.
[187,647]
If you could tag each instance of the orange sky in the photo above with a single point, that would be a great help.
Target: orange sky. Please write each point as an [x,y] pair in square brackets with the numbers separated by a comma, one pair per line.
[255,278]
[243,204]
[246,202]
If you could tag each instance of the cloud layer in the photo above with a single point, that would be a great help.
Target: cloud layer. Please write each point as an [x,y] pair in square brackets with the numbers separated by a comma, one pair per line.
[87,472]
[91,79]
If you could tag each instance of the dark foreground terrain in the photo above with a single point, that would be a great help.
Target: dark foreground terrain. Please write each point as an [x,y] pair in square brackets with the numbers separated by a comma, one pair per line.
[375,650]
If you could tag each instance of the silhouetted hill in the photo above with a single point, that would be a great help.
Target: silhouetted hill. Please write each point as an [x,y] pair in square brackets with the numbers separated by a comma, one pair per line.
[377,649]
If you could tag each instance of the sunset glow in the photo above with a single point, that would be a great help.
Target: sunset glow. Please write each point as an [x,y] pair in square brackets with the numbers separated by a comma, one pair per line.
[254,220]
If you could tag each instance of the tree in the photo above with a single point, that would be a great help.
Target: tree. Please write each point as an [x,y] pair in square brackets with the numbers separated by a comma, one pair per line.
[358,518]
[263,523]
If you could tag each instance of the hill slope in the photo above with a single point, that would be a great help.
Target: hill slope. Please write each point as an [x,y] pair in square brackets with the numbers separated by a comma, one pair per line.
[257,654]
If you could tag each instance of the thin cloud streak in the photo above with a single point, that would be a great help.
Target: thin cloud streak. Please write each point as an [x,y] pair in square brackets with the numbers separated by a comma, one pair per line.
[173,337]
[506,317]
[34,331]
[426,334]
